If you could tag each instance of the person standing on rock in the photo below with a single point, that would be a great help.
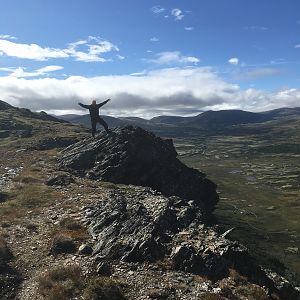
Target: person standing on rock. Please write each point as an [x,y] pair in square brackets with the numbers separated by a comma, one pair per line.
[94,114]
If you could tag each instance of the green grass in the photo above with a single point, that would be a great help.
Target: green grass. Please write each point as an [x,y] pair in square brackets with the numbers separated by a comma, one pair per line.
[31,196]
[26,197]
[259,190]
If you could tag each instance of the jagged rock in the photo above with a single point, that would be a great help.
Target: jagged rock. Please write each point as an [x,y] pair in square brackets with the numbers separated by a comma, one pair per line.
[184,258]
[53,142]
[138,225]
[284,288]
[131,155]
[104,269]
[132,229]
[85,249]
[3,197]
[60,179]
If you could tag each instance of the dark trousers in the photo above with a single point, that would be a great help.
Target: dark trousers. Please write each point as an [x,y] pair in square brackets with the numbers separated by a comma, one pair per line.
[100,121]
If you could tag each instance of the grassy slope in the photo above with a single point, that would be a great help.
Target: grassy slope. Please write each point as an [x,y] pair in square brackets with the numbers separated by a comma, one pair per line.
[257,169]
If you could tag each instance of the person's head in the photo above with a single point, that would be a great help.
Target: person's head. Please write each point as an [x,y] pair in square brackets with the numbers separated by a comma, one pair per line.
[94,102]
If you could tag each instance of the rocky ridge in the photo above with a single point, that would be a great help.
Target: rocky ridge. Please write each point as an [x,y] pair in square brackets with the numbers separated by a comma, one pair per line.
[165,221]
[131,155]
[141,225]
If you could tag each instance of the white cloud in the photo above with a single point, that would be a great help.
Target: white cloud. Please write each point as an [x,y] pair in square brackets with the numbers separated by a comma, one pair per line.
[173,57]
[7,37]
[50,69]
[94,47]
[179,91]
[21,73]
[157,9]
[234,61]
[154,39]
[30,51]
[177,14]
[297,46]
[189,28]
[94,50]
[120,57]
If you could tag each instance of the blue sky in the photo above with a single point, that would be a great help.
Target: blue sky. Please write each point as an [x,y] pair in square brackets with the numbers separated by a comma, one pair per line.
[150,57]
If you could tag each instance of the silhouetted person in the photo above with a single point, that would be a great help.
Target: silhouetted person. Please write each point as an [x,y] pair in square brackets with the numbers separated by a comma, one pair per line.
[94,113]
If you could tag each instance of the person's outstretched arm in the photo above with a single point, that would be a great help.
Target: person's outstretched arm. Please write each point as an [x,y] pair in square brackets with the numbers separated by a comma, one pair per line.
[101,104]
[84,105]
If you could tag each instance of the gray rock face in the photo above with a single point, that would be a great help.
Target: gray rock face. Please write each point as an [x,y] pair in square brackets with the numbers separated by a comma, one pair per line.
[53,142]
[85,249]
[131,155]
[60,179]
[142,225]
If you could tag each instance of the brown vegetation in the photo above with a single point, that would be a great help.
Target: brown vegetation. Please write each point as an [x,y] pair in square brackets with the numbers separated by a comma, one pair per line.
[61,283]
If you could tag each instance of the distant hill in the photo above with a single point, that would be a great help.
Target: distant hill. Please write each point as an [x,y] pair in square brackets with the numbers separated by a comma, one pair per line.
[206,120]
[23,123]
[170,120]
[226,118]
[283,112]
[26,113]
[86,121]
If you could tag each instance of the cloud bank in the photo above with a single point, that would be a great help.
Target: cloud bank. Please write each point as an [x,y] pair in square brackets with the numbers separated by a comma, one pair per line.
[20,72]
[171,91]
[89,50]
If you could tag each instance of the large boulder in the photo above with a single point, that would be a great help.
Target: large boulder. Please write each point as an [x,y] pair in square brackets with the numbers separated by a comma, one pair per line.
[131,155]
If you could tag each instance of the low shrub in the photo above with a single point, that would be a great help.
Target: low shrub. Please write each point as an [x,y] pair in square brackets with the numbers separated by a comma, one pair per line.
[61,283]
[62,243]
[70,224]
[103,288]
[211,296]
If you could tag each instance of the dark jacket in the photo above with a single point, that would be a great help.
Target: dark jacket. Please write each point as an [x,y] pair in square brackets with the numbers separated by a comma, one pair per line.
[94,109]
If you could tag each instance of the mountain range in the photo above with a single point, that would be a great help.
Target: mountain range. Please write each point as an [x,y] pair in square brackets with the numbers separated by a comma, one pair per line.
[206,120]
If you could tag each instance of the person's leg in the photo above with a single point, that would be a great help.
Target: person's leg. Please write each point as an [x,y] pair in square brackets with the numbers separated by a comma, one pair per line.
[103,123]
[94,124]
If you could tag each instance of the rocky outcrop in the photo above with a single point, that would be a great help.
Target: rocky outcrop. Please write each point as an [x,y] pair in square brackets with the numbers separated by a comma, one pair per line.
[131,155]
[4,105]
[161,215]
[60,179]
[49,143]
[141,225]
